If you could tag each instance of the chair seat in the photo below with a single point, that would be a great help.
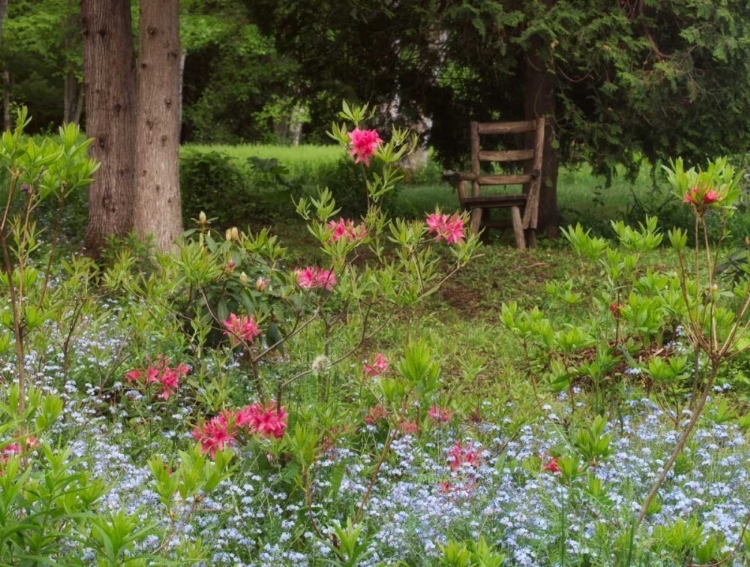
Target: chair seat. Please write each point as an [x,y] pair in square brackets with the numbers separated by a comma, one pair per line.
[494,201]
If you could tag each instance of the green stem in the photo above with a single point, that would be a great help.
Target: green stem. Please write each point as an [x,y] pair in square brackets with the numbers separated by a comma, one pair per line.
[680,444]
[17,325]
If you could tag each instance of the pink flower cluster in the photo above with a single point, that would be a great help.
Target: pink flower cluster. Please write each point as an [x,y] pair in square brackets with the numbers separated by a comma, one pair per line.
[364,143]
[379,366]
[161,374]
[9,451]
[450,228]
[440,415]
[553,466]
[376,414]
[408,427]
[347,230]
[460,455]
[222,430]
[694,197]
[240,330]
[14,449]
[312,276]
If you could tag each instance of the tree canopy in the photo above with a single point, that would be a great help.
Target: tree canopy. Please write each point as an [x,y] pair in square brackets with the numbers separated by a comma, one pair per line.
[631,78]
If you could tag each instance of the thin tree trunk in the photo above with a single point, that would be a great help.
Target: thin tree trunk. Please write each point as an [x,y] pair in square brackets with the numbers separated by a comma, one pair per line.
[109,90]
[69,86]
[183,58]
[157,195]
[3,11]
[540,101]
[6,74]
[70,90]
[7,121]
[79,106]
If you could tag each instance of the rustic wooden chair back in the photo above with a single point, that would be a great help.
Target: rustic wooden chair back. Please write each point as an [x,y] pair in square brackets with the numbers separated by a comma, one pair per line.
[524,207]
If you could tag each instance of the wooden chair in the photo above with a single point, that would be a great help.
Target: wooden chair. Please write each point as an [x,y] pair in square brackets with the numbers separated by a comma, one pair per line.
[523,207]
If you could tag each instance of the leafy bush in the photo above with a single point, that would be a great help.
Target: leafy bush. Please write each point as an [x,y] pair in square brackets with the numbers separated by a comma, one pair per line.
[218,410]
[346,182]
[212,181]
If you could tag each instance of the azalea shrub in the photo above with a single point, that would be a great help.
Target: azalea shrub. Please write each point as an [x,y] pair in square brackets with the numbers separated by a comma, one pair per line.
[228,405]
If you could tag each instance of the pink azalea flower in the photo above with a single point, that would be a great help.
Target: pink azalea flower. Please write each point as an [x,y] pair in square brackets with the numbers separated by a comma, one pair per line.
[445,487]
[444,227]
[214,435]
[325,279]
[710,197]
[133,376]
[693,197]
[306,278]
[347,230]
[440,415]
[160,373]
[241,329]
[267,420]
[552,466]
[152,374]
[312,277]
[169,382]
[690,196]
[378,367]
[364,144]
[616,310]
[10,450]
[247,416]
[460,455]
[375,414]
[408,427]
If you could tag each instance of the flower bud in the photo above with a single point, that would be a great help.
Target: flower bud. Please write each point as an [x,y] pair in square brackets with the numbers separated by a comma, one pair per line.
[261,283]
[230,267]
[202,218]
[228,235]
[243,278]
[235,234]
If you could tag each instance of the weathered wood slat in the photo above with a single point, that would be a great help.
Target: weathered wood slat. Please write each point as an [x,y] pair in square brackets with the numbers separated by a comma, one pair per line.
[506,127]
[515,215]
[503,179]
[531,213]
[492,179]
[493,201]
[508,155]
[475,165]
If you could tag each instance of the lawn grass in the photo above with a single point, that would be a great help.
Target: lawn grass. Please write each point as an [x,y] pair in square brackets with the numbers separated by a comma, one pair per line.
[300,160]
[582,196]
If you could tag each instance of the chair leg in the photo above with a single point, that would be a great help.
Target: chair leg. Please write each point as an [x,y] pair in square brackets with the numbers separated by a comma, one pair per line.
[515,214]
[531,237]
[476,220]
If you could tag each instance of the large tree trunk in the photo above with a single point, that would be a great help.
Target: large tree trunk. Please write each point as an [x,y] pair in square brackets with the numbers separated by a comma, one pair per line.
[109,89]
[157,195]
[540,101]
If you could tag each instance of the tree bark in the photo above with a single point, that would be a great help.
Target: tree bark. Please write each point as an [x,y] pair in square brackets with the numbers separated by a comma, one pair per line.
[79,107]
[7,119]
[109,90]
[70,83]
[157,209]
[6,74]
[540,101]
[70,97]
